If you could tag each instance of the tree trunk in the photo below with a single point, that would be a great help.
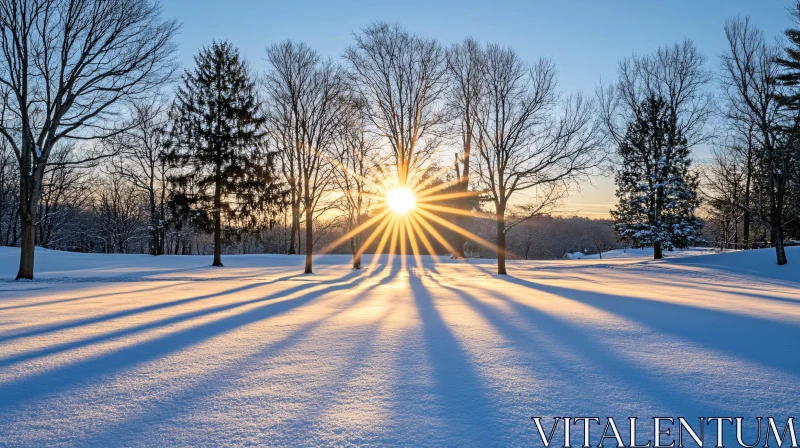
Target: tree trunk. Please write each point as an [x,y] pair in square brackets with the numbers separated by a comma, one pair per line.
[309,240]
[746,219]
[501,241]
[460,221]
[154,250]
[355,246]
[658,203]
[30,190]
[162,218]
[28,246]
[777,188]
[780,252]
[295,225]
[746,228]
[217,219]
[776,221]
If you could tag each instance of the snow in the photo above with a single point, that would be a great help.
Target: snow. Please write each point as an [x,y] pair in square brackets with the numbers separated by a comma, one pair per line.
[132,350]
[648,253]
[574,256]
[639,253]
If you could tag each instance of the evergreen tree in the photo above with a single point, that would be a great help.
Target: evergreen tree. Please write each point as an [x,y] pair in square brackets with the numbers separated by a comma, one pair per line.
[218,138]
[656,191]
[790,64]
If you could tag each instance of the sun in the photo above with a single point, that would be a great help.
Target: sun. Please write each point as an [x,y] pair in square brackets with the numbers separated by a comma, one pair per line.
[401,200]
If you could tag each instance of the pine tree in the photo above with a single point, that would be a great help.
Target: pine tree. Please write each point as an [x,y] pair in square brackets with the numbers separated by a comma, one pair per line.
[218,138]
[790,64]
[656,191]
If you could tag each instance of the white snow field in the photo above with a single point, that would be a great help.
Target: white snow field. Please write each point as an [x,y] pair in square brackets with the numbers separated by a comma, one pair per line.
[132,350]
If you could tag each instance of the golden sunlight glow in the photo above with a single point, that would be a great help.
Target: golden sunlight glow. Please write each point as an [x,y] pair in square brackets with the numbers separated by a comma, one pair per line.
[401,200]
[410,218]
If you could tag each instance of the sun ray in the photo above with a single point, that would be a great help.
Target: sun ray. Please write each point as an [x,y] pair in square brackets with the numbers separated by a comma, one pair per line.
[446,196]
[432,177]
[457,229]
[403,236]
[336,163]
[456,211]
[433,189]
[350,234]
[425,241]
[413,241]
[393,244]
[435,233]
[406,218]
[378,232]
[384,239]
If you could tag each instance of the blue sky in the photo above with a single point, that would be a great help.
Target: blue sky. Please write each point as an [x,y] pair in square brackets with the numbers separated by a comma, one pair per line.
[584,38]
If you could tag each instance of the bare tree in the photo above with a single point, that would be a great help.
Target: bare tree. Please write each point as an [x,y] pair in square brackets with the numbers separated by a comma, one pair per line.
[9,196]
[139,159]
[66,191]
[356,159]
[601,235]
[743,152]
[66,66]
[522,144]
[464,65]
[723,186]
[749,74]
[307,101]
[283,125]
[675,73]
[118,211]
[402,77]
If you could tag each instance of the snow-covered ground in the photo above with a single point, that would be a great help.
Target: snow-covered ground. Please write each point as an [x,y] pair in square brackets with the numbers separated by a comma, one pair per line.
[640,253]
[130,350]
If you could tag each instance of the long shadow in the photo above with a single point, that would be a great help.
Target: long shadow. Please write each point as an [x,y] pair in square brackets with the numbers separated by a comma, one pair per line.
[213,384]
[135,311]
[73,276]
[752,295]
[762,341]
[136,329]
[462,399]
[52,381]
[92,296]
[666,268]
[732,271]
[576,341]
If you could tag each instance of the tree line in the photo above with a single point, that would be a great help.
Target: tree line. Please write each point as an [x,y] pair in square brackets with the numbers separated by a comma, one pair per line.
[107,147]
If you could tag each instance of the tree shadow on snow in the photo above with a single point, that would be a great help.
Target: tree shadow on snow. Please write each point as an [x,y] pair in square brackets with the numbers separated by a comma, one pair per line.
[548,347]
[755,339]
[147,308]
[85,372]
[462,402]
[214,383]
[76,299]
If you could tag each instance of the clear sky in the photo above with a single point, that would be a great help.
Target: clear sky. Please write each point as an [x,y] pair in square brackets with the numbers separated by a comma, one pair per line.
[585,38]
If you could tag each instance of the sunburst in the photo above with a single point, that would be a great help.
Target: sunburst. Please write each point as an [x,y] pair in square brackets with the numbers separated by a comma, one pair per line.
[401,200]
[405,218]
